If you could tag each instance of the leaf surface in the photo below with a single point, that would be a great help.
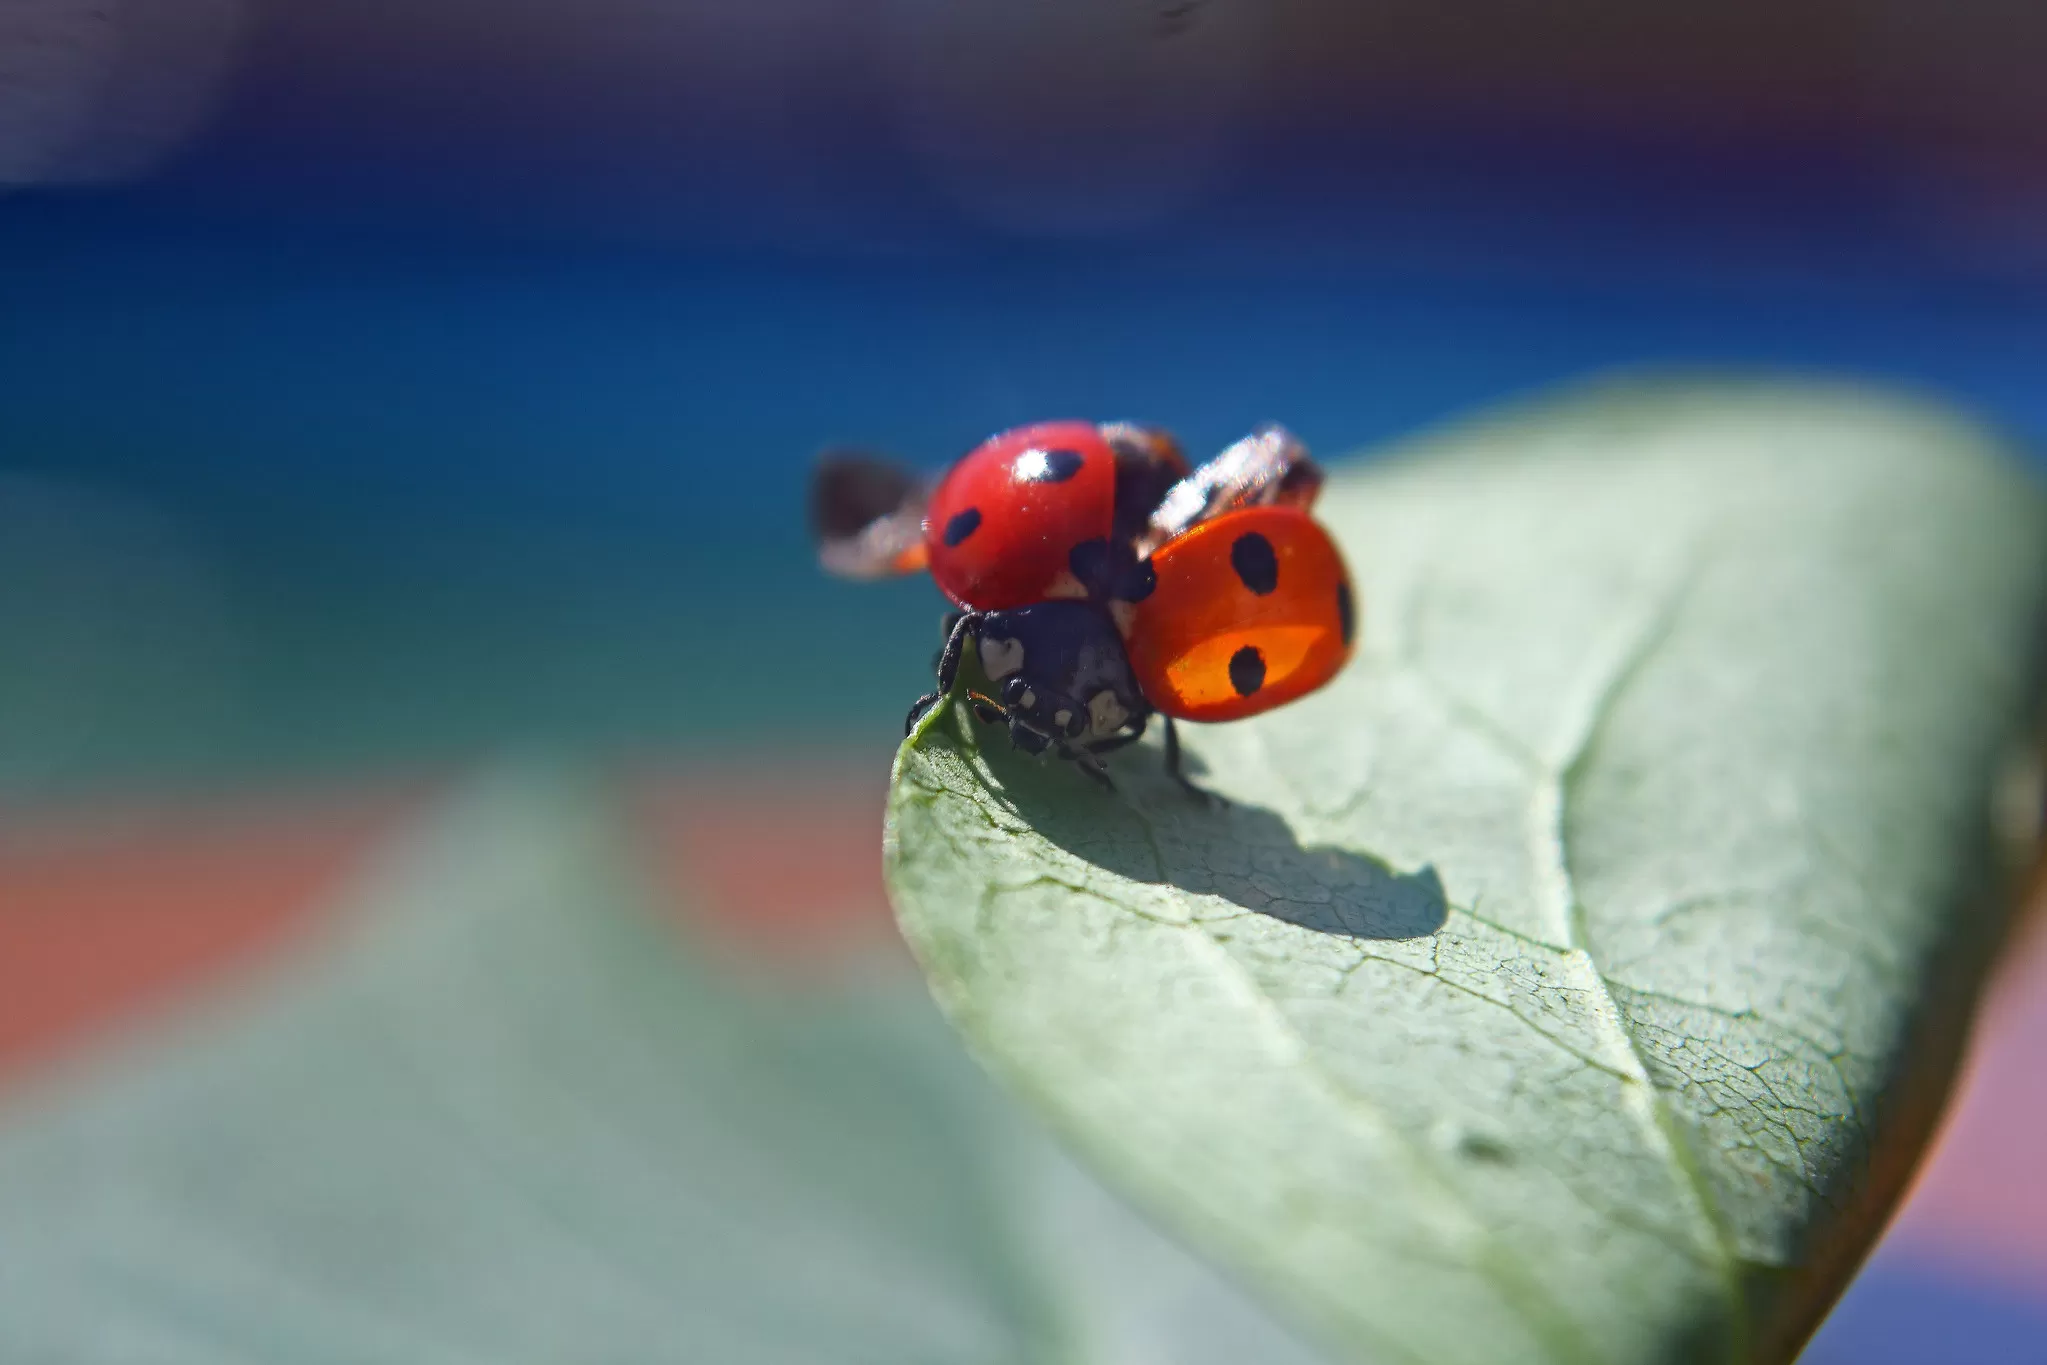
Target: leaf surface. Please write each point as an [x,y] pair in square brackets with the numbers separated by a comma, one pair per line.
[1577,977]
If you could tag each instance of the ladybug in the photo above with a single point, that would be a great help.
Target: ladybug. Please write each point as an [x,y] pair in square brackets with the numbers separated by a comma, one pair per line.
[1050,510]
[1251,609]
[1057,509]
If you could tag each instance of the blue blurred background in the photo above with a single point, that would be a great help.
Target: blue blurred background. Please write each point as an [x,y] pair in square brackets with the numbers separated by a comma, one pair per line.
[385,385]
[419,378]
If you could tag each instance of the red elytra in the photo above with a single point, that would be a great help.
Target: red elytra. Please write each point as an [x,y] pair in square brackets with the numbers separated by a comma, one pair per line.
[1001,525]
[1252,610]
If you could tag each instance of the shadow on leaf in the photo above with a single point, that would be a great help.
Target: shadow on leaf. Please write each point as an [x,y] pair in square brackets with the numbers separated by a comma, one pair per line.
[1150,830]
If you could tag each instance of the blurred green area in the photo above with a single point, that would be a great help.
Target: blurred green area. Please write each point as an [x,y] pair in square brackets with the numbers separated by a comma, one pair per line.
[498,1113]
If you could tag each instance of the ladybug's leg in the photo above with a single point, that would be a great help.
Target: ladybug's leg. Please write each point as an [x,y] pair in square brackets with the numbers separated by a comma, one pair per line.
[1087,763]
[945,628]
[1173,765]
[917,710]
[963,628]
[1115,742]
[1022,736]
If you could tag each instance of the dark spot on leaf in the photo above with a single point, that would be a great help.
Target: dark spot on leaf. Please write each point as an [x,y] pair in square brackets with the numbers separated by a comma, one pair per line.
[962,525]
[1051,466]
[1483,1147]
[1247,670]
[1255,563]
[1346,613]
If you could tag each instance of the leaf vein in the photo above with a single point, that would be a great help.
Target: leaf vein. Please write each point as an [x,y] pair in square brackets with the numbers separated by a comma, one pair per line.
[1658,1118]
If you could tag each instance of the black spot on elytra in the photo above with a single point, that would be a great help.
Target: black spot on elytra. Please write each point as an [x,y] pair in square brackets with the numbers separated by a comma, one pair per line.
[1346,614]
[1139,581]
[962,525]
[1252,557]
[1091,562]
[1058,466]
[1111,571]
[1247,670]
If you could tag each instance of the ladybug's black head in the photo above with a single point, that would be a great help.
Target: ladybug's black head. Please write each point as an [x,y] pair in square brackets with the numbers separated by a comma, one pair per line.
[1061,669]
[1048,713]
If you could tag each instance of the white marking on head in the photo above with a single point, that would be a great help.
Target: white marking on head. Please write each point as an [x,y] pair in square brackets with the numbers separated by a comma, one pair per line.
[1062,718]
[1105,714]
[1000,658]
[1028,699]
[1065,585]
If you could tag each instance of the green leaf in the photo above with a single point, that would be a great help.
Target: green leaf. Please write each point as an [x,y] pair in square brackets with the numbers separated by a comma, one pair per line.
[1577,977]
[503,1117]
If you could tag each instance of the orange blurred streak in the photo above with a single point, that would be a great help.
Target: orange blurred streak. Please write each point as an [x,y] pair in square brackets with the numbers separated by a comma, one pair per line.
[108,917]
[105,917]
[1980,1201]
[782,861]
